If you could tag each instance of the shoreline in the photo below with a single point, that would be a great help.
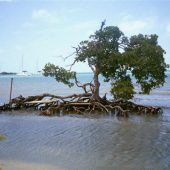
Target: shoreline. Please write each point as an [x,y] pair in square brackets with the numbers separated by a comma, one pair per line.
[21,165]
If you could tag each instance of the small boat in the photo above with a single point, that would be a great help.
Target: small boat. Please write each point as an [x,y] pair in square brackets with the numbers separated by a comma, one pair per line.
[23,73]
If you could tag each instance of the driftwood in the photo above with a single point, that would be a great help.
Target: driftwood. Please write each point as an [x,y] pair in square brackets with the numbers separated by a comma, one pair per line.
[49,105]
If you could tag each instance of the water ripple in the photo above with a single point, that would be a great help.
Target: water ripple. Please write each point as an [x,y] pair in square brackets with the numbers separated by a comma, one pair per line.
[84,143]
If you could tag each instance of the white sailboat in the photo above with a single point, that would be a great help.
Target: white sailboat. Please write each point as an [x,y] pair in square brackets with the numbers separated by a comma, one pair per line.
[23,72]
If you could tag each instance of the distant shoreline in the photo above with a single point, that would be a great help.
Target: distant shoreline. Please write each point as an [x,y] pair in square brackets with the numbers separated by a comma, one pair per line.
[13,73]
[7,73]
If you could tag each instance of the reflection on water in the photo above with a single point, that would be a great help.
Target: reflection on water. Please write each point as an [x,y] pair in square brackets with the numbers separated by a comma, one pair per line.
[140,142]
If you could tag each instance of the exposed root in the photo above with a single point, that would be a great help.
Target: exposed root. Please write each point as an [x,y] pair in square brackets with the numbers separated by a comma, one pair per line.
[120,111]
[49,105]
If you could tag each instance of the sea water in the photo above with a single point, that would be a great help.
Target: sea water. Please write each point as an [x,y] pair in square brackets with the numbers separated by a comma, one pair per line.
[83,143]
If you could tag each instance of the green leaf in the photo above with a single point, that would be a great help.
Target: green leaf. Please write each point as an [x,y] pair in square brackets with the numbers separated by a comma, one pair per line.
[59,73]
[123,88]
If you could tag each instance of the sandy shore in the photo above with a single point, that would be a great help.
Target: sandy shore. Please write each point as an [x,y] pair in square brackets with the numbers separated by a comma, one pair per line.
[18,165]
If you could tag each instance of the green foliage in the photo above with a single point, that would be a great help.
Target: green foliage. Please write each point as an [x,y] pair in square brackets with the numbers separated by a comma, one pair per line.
[110,53]
[123,88]
[101,47]
[59,73]
[145,58]
[114,56]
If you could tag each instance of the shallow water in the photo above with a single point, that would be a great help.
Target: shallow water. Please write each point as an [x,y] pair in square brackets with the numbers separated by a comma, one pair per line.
[83,143]
[69,142]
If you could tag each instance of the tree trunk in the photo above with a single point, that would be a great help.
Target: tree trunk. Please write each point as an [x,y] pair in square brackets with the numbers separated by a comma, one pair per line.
[96,95]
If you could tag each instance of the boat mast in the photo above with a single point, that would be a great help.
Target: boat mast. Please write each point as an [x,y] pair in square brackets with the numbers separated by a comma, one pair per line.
[22,63]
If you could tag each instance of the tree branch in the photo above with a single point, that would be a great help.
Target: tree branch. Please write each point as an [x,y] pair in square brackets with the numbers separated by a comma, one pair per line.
[65,58]
[92,68]
[84,86]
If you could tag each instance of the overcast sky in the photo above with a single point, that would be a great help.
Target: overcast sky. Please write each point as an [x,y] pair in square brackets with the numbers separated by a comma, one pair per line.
[41,30]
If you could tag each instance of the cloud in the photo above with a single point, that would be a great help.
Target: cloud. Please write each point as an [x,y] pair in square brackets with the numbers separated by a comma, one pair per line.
[130,25]
[44,15]
[41,13]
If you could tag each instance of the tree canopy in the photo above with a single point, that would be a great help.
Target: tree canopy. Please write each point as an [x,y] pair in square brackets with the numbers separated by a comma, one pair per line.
[118,59]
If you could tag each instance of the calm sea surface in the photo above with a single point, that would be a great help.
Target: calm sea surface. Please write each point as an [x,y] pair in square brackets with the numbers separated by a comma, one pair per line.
[83,143]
